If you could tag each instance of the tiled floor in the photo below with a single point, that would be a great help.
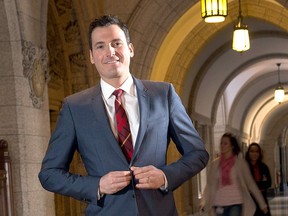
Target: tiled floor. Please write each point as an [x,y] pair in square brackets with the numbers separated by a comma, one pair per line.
[279,205]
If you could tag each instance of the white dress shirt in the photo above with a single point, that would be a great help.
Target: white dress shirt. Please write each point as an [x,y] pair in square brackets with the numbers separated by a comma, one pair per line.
[129,103]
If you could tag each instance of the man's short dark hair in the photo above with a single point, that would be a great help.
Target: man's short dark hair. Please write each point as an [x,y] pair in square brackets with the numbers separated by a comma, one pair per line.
[108,20]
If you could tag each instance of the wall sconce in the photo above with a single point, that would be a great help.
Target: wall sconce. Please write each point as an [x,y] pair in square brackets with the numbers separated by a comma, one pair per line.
[241,41]
[279,93]
[214,11]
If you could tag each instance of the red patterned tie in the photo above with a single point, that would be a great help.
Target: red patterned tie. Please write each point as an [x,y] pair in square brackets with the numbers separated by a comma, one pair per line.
[124,134]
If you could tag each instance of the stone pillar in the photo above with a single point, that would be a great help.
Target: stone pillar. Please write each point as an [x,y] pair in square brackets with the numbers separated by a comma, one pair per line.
[271,158]
[24,109]
[200,180]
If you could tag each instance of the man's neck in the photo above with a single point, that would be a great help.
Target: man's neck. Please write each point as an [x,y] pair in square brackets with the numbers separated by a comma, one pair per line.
[116,82]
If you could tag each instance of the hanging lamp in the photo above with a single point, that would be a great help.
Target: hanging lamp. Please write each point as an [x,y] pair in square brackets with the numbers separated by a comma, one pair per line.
[214,11]
[279,93]
[241,40]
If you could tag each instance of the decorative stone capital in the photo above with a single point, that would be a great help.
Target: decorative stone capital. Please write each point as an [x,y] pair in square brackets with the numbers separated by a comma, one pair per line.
[35,64]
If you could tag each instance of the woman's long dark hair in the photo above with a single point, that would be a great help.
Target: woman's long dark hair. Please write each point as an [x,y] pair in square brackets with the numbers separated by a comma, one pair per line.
[234,142]
[260,153]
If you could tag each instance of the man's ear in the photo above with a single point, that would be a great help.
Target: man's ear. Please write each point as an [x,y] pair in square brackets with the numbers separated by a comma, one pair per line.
[131,48]
[91,57]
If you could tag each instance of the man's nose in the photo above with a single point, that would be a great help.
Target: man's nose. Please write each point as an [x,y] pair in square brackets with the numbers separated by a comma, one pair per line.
[110,50]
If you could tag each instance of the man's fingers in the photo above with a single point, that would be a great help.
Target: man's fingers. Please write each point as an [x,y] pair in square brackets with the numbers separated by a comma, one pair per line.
[148,177]
[142,172]
[114,181]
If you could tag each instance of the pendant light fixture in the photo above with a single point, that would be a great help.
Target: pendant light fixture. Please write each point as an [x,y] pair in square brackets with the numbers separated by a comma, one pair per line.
[279,93]
[241,41]
[214,11]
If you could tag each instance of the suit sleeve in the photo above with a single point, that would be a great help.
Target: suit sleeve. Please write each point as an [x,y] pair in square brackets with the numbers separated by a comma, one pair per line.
[54,175]
[188,142]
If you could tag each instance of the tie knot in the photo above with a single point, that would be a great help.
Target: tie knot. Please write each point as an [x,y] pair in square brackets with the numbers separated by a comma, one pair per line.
[118,93]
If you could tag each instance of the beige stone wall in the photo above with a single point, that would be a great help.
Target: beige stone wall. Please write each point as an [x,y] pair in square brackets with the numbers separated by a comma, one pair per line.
[24,125]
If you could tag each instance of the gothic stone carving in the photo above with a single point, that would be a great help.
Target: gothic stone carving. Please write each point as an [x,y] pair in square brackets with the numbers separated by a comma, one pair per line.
[35,64]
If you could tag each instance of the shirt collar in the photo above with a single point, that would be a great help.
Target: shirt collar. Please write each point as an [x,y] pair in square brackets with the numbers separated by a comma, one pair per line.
[127,86]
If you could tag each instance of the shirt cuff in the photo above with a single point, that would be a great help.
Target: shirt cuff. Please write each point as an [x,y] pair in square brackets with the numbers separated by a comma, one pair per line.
[99,196]
[165,186]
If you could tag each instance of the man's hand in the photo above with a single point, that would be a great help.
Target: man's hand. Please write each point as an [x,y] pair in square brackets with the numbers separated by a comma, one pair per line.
[149,177]
[114,181]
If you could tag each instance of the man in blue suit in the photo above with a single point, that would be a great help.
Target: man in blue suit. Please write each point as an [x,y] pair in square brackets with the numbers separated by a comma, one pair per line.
[144,184]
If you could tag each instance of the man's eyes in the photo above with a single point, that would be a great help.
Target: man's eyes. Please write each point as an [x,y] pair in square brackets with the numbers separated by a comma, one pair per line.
[117,44]
[99,47]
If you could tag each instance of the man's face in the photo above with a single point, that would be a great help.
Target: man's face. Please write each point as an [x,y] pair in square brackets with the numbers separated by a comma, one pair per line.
[110,53]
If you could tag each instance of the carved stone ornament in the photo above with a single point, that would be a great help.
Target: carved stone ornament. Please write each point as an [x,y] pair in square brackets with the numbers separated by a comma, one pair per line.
[35,64]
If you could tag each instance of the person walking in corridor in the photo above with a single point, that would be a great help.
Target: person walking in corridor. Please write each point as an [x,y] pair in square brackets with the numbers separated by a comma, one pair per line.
[229,183]
[260,172]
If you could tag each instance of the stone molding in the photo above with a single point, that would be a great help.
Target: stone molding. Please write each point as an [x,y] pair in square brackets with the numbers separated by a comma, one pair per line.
[35,68]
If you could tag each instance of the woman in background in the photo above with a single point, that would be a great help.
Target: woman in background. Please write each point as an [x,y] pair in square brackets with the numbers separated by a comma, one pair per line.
[229,183]
[260,172]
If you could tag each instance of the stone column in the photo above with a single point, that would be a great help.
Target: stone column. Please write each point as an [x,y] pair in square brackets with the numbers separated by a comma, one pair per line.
[271,158]
[200,180]
[24,109]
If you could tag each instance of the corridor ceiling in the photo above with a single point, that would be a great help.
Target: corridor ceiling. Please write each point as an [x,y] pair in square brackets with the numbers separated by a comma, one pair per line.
[246,81]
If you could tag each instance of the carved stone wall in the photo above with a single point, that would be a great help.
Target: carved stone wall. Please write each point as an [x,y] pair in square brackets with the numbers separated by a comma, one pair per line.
[24,100]
[35,68]
[68,74]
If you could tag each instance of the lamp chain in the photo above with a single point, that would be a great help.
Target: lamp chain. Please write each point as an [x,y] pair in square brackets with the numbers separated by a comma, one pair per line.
[278,65]
[240,11]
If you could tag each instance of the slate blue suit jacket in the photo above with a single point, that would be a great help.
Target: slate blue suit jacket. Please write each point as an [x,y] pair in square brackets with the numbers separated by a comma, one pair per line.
[83,126]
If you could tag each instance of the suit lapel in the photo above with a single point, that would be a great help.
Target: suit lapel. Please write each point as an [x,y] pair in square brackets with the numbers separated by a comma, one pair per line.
[102,119]
[144,104]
